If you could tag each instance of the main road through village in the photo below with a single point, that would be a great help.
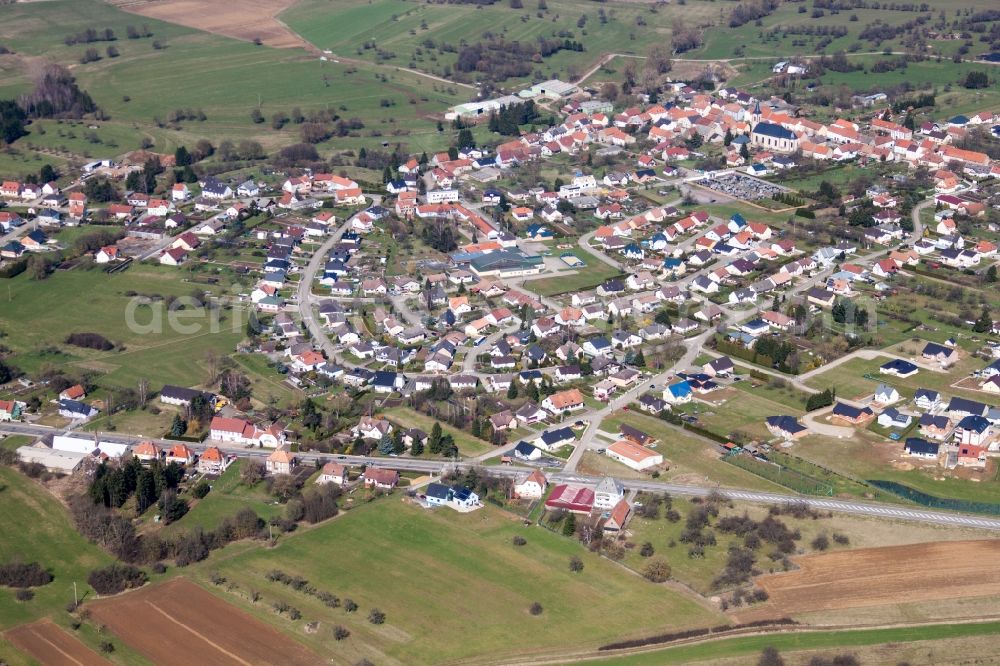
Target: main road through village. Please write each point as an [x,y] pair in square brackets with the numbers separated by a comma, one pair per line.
[438,467]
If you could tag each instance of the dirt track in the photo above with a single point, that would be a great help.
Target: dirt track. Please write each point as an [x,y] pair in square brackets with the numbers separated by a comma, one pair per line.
[53,646]
[882,576]
[241,19]
[178,622]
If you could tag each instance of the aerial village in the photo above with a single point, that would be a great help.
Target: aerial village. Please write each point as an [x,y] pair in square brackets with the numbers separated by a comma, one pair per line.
[570,275]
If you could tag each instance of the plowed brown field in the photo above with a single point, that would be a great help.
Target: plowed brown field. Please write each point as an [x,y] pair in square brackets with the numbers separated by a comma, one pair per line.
[242,19]
[178,622]
[53,646]
[882,576]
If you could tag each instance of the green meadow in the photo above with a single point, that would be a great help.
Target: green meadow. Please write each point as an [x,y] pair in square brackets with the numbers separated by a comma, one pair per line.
[37,529]
[437,573]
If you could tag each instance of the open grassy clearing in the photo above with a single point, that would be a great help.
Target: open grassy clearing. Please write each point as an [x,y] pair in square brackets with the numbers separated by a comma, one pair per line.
[37,529]
[228,495]
[268,384]
[775,390]
[40,314]
[431,570]
[746,40]
[692,460]
[141,422]
[408,418]
[914,611]
[744,412]
[699,573]
[14,442]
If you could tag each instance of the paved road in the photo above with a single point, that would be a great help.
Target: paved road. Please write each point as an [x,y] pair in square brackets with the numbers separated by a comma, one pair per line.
[839,506]
[15,233]
[442,466]
[306,299]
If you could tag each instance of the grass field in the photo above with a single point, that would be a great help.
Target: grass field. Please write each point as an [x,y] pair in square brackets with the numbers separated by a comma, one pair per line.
[225,78]
[744,412]
[699,573]
[37,529]
[771,389]
[595,272]
[38,315]
[746,40]
[268,384]
[13,442]
[402,28]
[408,418]
[868,457]
[431,571]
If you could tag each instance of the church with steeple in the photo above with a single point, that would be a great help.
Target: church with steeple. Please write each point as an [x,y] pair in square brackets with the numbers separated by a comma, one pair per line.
[770,136]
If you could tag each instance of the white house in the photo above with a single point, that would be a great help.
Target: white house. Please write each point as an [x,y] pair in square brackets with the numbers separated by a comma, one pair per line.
[531,485]
[333,473]
[608,493]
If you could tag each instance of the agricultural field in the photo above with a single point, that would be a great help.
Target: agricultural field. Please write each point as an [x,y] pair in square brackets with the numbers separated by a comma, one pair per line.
[226,78]
[862,533]
[49,644]
[430,570]
[753,41]
[400,30]
[182,612]
[882,576]
[929,645]
[251,20]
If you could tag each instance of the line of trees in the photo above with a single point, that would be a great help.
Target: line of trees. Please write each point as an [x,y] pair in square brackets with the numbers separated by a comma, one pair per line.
[89,36]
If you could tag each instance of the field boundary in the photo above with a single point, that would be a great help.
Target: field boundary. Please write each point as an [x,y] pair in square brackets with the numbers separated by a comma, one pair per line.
[790,630]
